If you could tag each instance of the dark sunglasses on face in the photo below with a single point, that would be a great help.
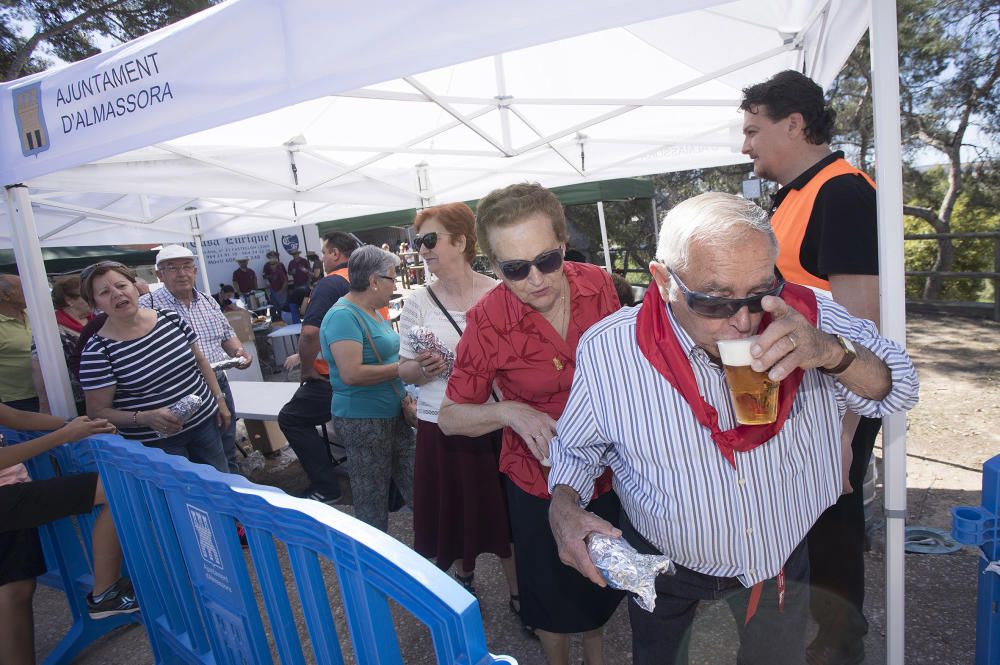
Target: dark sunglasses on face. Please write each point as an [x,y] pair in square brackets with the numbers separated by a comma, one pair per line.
[428,240]
[546,262]
[716,307]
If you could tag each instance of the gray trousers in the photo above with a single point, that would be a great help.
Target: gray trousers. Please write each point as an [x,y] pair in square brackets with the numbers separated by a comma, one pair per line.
[379,450]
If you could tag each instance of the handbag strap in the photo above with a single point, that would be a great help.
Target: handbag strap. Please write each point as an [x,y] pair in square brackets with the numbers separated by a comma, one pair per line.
[371,342]
[447,315]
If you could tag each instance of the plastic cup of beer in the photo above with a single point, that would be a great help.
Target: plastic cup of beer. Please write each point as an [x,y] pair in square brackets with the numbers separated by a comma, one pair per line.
[755,397]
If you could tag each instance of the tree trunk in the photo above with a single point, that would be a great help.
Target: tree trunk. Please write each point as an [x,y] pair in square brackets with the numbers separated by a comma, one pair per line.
[944,262]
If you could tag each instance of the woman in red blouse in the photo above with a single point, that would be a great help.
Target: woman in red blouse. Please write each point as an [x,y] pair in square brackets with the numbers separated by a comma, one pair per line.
[524,335]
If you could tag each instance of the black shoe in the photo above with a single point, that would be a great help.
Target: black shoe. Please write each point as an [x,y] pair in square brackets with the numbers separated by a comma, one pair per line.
[529,631]
[119,598]
[328,499]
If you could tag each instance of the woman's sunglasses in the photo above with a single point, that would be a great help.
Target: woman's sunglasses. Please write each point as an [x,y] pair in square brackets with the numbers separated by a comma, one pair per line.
[428,240]
[715,307]
[546,262]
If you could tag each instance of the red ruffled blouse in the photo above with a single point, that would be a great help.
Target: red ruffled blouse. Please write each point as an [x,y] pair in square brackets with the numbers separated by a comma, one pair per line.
[506,340]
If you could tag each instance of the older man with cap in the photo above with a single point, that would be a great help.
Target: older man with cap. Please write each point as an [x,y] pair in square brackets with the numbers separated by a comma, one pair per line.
[730,504]
[176,269]
[244,278]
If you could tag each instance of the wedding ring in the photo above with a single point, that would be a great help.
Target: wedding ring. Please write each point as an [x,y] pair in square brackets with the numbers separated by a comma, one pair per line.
[792,340]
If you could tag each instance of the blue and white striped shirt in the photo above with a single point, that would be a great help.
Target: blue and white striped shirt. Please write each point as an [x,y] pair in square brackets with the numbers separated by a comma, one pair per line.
[676,487]
[203,315]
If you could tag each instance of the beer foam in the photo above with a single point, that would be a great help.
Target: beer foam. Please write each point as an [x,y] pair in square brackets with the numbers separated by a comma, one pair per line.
[736,352]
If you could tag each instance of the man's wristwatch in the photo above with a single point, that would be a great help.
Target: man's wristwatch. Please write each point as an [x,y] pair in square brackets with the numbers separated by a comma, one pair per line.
[849,356]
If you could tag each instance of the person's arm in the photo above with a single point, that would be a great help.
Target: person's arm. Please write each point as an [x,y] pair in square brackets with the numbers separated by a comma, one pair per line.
[39,382]
[424,368]
[100,406]
[213,384]
[791,342]
[308,350]
[347,354]
[416,368]
[859,294]
[28,420]
[234,349]
[76,429]
[536,428]
[571,526]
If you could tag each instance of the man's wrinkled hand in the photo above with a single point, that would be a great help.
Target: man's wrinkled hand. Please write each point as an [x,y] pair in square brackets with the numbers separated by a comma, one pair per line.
[571,526]
[790,342]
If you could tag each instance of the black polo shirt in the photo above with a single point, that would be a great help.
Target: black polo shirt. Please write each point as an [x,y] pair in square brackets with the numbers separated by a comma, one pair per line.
[842,234]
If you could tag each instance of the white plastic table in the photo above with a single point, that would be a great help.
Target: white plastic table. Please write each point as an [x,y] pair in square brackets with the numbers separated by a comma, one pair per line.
[261,400]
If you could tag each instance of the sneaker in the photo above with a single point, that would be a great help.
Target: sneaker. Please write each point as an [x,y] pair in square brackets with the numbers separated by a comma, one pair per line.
[119,598]
[330,500]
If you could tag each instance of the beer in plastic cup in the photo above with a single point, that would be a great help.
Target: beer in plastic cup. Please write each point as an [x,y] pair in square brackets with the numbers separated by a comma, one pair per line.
[755,397]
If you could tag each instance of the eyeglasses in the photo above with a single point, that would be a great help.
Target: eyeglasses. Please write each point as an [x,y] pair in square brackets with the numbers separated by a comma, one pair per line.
[428,240]
[546,262]
[175,269]
[103,266]
[715,307]
[388,277]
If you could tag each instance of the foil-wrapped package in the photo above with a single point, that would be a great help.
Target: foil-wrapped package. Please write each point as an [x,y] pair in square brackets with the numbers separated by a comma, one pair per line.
[624,568]
[183,408]
[423,339]
[229,363]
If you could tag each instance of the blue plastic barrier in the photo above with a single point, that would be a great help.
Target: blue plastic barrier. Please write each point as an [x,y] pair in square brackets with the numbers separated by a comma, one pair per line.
[177,524]
[68,554]
[978,525]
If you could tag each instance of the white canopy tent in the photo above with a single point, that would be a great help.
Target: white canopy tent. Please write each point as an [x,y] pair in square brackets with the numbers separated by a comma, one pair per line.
[398,105]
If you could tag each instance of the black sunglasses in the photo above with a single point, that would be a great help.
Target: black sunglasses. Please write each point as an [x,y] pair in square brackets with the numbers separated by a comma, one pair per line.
[715,307]
[428,240]
[519,269]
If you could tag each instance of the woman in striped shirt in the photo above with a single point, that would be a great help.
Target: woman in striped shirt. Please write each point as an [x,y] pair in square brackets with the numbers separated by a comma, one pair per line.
[140,363]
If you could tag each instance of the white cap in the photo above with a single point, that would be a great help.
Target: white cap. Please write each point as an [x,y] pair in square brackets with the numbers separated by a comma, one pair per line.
[173,252]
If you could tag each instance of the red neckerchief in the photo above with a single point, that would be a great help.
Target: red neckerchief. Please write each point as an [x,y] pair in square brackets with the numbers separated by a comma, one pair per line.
[659,344]
[67,321]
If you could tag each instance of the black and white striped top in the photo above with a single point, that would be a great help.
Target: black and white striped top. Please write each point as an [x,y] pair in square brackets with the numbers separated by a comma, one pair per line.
[150,372]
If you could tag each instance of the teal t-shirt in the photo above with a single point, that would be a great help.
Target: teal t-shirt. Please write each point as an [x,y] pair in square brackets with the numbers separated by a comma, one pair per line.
[377,401]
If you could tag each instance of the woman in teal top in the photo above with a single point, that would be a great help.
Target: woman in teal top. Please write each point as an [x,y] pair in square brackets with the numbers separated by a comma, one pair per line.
[367,417]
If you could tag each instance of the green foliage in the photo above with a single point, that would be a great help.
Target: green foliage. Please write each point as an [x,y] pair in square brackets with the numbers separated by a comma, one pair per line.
[977,209]
[33,32]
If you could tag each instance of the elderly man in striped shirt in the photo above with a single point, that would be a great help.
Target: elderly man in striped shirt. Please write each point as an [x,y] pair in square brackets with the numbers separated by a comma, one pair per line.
[730,504]
[176,269]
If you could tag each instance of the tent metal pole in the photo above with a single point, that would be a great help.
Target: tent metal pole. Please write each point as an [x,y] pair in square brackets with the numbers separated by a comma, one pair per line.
[45,330]
[604,236]
[888,173]
[200,251]
[656,221]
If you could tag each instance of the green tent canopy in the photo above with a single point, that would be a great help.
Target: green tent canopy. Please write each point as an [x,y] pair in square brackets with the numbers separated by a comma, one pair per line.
[620,189]
[60,260]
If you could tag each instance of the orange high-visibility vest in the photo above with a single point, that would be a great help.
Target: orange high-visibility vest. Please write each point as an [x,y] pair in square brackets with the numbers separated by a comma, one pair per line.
[320,364]
[791,218]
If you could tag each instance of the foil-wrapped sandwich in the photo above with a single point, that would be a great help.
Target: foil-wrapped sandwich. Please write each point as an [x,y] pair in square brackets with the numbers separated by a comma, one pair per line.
[229,363]
[423,339]
[624,568]
[183,408]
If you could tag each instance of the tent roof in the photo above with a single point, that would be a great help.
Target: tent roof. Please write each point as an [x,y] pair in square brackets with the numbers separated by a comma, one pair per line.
[587,192]
[404,126]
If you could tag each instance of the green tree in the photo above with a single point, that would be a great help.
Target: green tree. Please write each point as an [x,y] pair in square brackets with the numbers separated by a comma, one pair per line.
[949,84]
[33,30]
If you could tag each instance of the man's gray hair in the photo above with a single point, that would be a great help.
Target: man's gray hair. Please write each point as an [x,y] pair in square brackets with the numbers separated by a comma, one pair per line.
[367,261]
[713,218]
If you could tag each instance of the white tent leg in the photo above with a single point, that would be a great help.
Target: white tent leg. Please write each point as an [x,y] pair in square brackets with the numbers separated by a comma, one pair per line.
[200,251]
[604,236]
[31,268]
[888,172]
